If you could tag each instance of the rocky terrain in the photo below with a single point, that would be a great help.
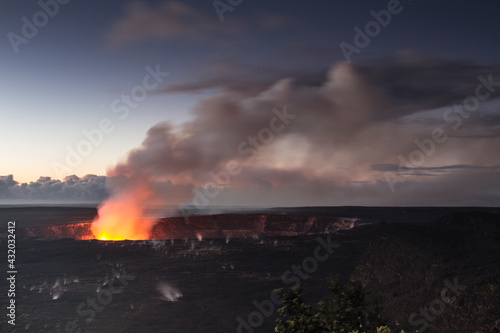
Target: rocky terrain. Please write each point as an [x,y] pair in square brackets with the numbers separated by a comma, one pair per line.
[437,277]
[437,269]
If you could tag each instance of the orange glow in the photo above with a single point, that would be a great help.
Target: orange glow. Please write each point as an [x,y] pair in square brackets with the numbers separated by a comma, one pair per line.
[120,218]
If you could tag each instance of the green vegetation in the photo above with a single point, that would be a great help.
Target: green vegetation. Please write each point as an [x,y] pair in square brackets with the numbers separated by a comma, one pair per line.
[348,309]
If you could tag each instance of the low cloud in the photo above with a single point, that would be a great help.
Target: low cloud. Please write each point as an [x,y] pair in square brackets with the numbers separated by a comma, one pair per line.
[88,189]
[231,76]
[175,20]
[394,167]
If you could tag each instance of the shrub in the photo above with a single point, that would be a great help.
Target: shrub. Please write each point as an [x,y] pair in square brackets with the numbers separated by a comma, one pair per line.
[347,309]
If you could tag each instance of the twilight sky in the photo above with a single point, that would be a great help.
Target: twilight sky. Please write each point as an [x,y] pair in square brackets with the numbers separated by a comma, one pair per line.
[254,103]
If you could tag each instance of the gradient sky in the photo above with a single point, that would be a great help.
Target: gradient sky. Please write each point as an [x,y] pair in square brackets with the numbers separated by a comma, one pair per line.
[65,79]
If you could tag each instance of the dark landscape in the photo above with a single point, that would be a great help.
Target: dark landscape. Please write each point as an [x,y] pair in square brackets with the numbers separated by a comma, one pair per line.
[187,166]
[213,284]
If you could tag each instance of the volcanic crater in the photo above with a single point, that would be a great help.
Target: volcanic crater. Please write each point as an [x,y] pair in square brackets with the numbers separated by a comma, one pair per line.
[211,226]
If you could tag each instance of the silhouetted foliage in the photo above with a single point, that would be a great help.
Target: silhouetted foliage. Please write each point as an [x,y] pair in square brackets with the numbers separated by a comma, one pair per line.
[348,308]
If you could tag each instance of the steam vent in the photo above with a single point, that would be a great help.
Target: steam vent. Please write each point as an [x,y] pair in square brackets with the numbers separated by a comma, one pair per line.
[212,226]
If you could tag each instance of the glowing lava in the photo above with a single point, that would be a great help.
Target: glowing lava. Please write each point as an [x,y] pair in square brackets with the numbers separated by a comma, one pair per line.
[120,218]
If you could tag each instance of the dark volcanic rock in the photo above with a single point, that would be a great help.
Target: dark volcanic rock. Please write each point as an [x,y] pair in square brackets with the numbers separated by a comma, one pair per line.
[412,267]
[212,226]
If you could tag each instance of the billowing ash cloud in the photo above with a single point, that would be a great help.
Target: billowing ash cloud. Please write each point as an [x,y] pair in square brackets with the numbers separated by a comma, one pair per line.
[335,142]
[404,130]
[90,188]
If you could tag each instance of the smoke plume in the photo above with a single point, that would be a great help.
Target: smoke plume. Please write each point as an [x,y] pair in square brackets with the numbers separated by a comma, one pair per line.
[291,143]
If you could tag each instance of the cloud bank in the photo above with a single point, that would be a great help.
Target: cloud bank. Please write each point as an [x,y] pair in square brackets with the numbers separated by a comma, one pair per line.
[88,189]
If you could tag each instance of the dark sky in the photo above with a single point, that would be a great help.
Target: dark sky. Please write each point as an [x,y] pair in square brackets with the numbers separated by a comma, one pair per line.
[361,122]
